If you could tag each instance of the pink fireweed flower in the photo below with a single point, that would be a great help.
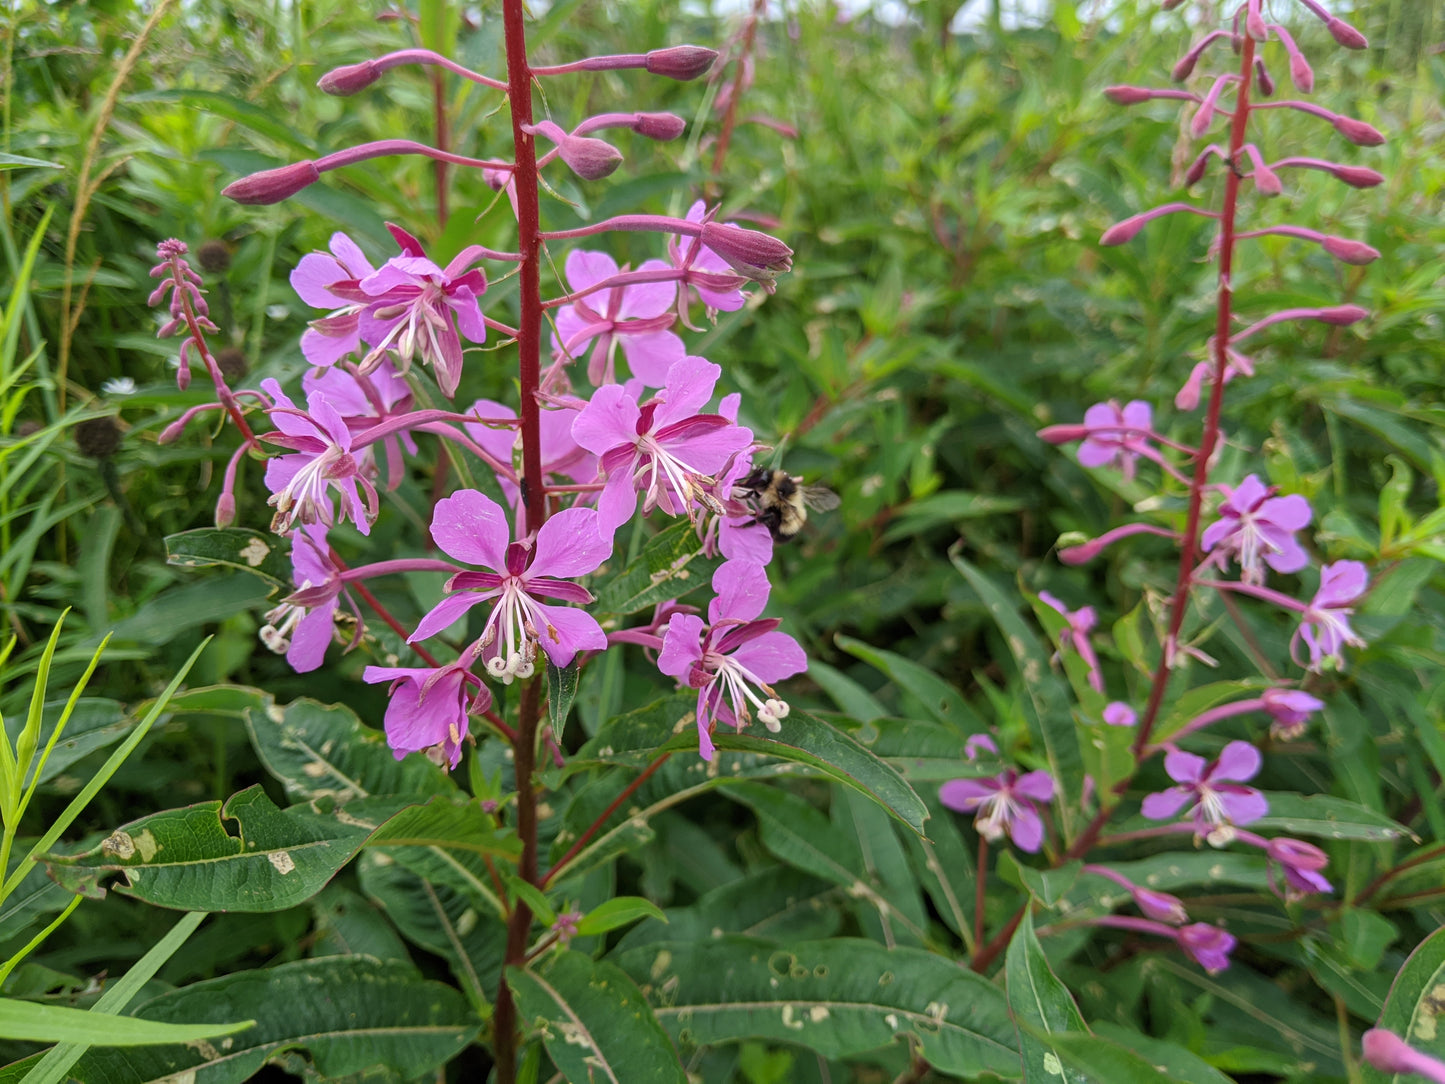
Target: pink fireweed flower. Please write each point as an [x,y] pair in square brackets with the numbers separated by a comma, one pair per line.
[1209,946]
[1301,863]
[1290,710]
[1389,1053]
[560,453]
[301,626]
[321,445]
[1257,528]
[337,334]
[365,401]
[1107,445]
[1118,713]
[470,526]
[734,660]
[1325,627]
[734,531]
[1212,790]
[664,447]
[1005,803]
[415,307]
[705,273]
[1076,636]
[429,706]
[636,317]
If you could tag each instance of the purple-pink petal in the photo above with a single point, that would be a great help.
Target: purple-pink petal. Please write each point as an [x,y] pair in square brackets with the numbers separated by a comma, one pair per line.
[742,592]
[964,795]
[772,657]
[1166,803]
[585,268]
[1184,767]
[445,614]
[690,384]
[681,646]
[1288,513]
[652,354]
[1026,830]
[1242,804]
[607,421]
[1036,785]
[311,637]
[1238,761]
[1341,583]
[569,544]
[565,631]
[469,526]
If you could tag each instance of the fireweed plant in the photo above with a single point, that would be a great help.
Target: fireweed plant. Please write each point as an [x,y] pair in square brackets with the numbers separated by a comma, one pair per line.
[615,420]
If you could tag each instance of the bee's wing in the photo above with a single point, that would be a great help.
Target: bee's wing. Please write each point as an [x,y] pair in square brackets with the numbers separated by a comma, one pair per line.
[820,498]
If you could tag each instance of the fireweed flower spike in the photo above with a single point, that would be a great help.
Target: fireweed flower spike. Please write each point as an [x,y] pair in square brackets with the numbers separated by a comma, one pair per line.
[734,654]
[636,317]
[663,447]
[1076,636]
[321,445]
[1219,801]
[1257,528]
[470,526]
[429,706]
[1006,803]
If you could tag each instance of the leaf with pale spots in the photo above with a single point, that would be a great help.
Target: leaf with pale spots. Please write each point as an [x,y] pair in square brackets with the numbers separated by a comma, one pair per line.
[671,566]
[1041,1006]
[839,998]
[1415,1007]
[595,1022]
[231,547]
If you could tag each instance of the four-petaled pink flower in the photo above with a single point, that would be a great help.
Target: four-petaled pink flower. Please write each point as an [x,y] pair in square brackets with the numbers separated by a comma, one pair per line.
[470,526]
[704,272]
[636,316]
[1081,623]
[1005,803]
[1301,863]
[321,445]
[1257,528]
[663,447]
[1210,946]
[736,653]
[332,337]
[1214,788]
[1107,445]
[1290,709]
[429,706]
[301,626]
[411,306]
[1325,627]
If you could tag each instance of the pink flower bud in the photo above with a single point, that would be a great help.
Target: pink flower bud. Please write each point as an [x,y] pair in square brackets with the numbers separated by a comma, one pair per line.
[1358,176]
[1342,315]
[591,159]
[1389,1053]
[681,62]
[1297,853]
[1126,95]
[1254,22]
[748,252]
[1266,180]
[1202,119]
[349,78]
[1062,434]
[1346,34]
[1119,713]
[661,126]
[1347,251]
[226,510]
[1183,67]
[1263,78]
[272,185]
[1121,233]
[1358,132]
[1300,73]
[1161,906]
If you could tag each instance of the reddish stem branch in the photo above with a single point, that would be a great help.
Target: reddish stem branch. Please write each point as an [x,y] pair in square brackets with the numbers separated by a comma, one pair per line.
[596,826]
[1189,552]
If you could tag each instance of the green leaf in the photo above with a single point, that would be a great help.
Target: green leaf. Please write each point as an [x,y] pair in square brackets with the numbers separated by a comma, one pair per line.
[561,691]
[34,1023]
[94,724]
[1085,1057]
[1042,1007]
[351,1013]
[1181,1064]
[180,610]
[618,911]
[670,566]
[17,161]
[1413,1007]
[231,547]
[595,1022]
[324,751]
[1199,699]
[1048,886]
[1325,816]
[258,119]
[839,998]
[185,858]
[938,697]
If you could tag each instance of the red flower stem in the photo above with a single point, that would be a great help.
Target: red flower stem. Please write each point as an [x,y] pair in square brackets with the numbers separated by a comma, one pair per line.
[223,390]
[596,825]
[534,498]
[988,953]
[1189,552]
[980,891]
[1390,874]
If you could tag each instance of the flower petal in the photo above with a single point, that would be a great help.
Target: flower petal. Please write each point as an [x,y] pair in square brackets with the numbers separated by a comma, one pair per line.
[1038,785]
[566,631]
[1184,767]
[1238,761]
[469,526]
[569,544]
[608,421]
[965,794]
[445,614]
[772,657]
[1166,803]
[1027,830]
[681,646]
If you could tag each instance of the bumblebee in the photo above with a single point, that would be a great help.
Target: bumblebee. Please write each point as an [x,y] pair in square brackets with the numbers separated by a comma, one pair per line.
[780,501]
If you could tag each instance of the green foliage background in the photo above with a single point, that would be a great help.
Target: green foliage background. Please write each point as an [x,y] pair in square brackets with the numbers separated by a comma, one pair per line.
[944,195]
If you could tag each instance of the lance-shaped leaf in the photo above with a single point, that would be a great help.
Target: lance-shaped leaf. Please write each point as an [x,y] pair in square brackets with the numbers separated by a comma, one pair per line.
[1041,1006]
[352,1014]
[231,547]
[595,1022]
[839,998]
[187,859]
[561,691]
[1325,817]
[1415,1005]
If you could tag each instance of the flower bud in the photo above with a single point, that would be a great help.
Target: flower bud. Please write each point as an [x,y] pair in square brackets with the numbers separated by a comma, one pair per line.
[1346,34]
[748,252]
[1389,1053]
[1358,176]
[1119,713]
[1342,315]
[272,185]
[1266,181]
[1300,73]
[226,510]
[1358,132]
[660,126]
[1264,80]
[1348,251]
[349,78]
[591,159]
[1161,906]
[1126,95]
[1123,232]
[1062,434]
[1254,23]
[1296,853]
[681,62]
